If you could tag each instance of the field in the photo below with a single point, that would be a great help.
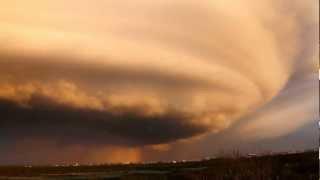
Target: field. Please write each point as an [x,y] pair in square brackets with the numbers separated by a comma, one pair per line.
[268,167]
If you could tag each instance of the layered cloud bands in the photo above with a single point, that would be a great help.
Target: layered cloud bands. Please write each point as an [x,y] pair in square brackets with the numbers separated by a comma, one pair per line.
[124,72]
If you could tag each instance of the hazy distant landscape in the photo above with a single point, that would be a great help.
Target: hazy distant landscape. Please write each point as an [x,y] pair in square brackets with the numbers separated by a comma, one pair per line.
[280,166]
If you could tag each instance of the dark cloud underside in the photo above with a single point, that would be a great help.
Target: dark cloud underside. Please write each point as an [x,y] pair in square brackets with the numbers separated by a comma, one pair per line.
[73,126]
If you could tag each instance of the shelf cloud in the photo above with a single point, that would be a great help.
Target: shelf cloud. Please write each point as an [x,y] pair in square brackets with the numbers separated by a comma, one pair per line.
[138,73]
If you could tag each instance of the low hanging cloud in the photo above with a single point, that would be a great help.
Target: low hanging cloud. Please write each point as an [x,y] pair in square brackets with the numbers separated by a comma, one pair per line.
[136,73]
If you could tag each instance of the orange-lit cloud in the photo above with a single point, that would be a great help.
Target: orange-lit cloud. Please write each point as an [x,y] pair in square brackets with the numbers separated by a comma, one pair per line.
[136,73]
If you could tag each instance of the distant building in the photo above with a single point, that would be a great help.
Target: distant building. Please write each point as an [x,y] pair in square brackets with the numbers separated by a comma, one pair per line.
[252,155]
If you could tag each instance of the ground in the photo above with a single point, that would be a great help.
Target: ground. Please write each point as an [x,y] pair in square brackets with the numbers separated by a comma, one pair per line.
[268,167]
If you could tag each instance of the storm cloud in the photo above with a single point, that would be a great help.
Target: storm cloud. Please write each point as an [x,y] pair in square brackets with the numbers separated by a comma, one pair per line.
[141,73]
[81,126]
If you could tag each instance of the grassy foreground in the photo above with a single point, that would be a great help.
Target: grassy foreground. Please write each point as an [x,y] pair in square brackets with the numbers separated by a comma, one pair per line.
[270,167]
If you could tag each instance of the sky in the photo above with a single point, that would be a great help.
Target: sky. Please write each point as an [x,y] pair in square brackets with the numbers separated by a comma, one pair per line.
[141,81]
